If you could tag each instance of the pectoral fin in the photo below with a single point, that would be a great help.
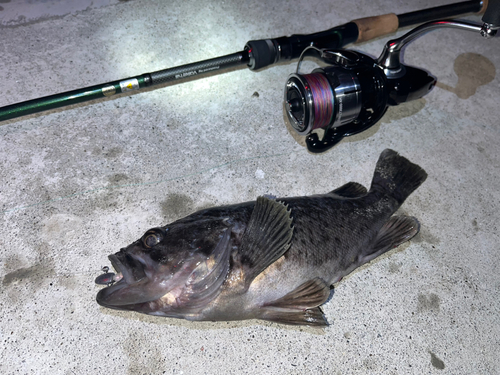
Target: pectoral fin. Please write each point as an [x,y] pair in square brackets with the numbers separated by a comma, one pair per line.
[267,237]
[299,307]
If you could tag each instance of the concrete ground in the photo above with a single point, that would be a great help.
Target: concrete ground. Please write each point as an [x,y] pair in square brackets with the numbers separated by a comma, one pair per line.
[79,183]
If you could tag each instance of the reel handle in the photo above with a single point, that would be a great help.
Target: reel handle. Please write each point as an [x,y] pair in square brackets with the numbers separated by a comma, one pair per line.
[492,13]
[491,19]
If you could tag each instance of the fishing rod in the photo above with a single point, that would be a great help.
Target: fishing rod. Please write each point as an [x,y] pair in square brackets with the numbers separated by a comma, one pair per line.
[354,91]
[257,54]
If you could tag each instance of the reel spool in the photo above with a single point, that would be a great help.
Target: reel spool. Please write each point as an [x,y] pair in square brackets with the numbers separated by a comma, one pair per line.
[336,101]
[316,102]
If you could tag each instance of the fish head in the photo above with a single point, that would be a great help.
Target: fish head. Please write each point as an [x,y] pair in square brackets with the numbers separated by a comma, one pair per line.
[167,268]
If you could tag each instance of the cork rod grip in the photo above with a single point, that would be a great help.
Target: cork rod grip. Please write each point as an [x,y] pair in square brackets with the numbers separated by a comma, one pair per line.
[373,27]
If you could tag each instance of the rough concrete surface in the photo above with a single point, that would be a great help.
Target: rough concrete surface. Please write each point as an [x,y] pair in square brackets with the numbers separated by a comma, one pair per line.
[79,183]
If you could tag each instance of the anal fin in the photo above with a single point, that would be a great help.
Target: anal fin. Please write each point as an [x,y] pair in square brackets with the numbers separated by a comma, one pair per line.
[300,306]
[397,230]
[310,317]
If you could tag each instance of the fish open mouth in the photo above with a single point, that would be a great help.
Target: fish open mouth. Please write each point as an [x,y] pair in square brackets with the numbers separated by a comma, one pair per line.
[130,269]
[124,287]
[140,281]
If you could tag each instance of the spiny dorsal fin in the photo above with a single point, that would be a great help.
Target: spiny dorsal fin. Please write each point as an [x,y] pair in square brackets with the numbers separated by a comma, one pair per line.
[350,190]
[397,230]
[266,238]
[310,294]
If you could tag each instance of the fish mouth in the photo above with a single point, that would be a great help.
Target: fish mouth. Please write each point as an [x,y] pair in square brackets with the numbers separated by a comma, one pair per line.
[129,281]
[139,282]
[129,268]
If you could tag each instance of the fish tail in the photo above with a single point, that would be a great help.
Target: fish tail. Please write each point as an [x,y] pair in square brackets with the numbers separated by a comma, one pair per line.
[396,176]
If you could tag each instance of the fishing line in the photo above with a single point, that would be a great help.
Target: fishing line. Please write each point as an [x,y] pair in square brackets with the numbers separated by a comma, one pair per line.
[87,273]
[323,99]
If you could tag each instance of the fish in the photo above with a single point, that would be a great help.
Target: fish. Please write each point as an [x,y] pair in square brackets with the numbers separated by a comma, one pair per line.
[273,259]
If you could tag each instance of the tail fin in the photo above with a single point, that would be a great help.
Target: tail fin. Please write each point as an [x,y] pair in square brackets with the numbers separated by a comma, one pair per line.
[396,175]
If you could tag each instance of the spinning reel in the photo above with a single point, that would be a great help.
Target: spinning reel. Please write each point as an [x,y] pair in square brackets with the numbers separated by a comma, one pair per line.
[353,91]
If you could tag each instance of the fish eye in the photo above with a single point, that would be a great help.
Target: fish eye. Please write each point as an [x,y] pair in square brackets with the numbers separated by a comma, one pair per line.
[151,238]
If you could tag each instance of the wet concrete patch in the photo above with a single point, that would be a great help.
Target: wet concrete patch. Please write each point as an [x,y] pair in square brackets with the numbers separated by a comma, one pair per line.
[21,284]
[21,274]
[425,235]
[394,267]
[430,302]
[475,226]
[473,70]
[177,206]
[118,178]
[436,362]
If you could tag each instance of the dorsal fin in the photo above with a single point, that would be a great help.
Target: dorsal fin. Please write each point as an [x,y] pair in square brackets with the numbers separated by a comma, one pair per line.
[350,190]
[266,238]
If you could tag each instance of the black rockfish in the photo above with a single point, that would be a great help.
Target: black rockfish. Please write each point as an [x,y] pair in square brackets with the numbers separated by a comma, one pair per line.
[271,259]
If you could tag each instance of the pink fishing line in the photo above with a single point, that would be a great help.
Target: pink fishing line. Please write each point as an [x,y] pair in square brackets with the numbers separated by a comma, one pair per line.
[322,97]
